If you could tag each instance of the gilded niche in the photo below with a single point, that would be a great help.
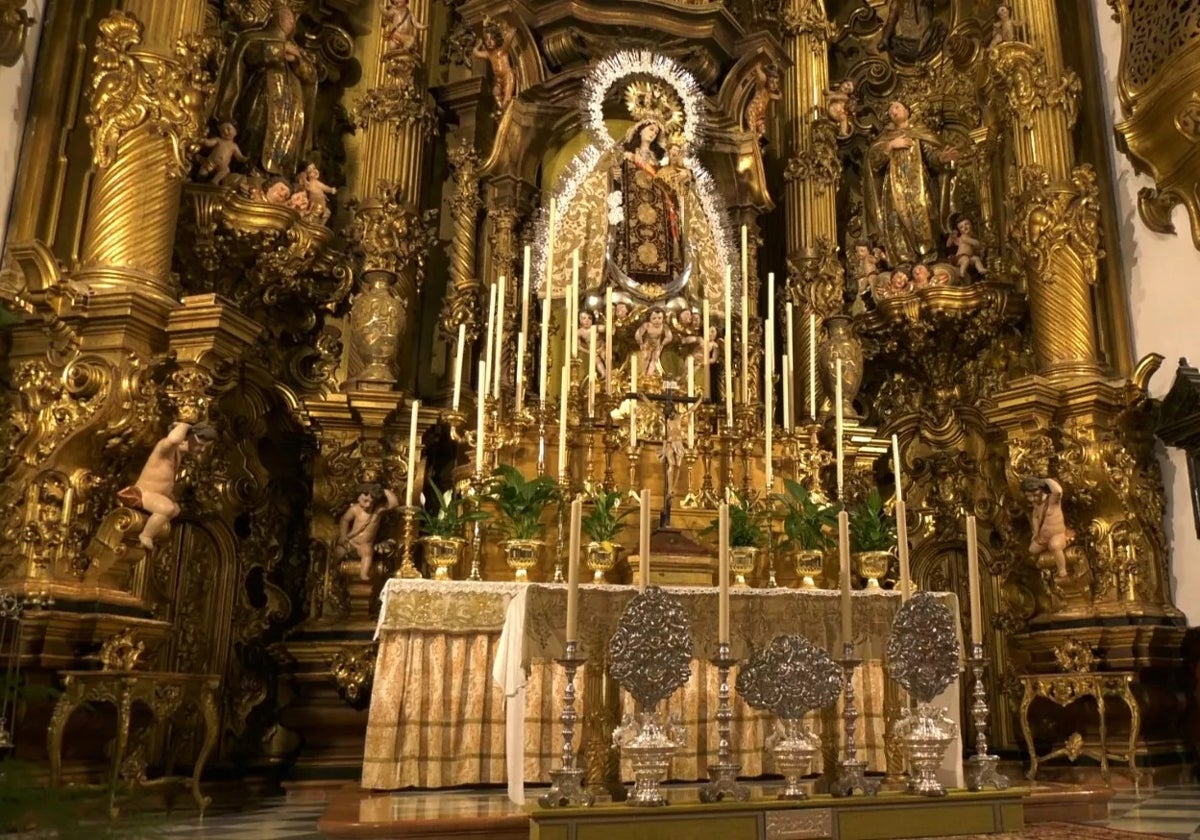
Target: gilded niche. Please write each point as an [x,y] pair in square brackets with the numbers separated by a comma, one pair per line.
[1160,55]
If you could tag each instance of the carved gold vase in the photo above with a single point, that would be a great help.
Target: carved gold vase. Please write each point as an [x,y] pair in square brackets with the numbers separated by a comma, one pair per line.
[841,343]
[521,556]
[872,565]
[808,563]
[602,558]
[442,554]
[377,319]
[742,561]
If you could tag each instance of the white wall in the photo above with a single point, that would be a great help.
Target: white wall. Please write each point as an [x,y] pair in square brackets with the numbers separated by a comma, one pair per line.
[16,85]
[1163,279]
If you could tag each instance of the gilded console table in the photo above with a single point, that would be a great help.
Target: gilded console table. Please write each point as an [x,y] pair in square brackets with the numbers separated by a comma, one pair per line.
[1065,689]
[163,694]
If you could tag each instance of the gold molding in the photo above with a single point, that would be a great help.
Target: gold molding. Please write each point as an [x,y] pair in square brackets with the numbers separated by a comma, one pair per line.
[15,24]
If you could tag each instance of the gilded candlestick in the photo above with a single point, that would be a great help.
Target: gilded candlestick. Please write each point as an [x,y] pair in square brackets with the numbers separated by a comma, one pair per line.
[475,490]
[408,569]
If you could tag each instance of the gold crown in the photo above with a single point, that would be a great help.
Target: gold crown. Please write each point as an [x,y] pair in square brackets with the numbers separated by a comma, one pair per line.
[649,101]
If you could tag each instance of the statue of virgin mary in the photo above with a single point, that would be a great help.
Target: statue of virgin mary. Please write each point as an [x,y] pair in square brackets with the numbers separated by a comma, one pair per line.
[637,216]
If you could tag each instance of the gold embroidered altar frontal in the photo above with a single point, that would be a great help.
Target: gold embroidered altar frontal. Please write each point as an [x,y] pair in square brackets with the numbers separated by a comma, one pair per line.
[438,717]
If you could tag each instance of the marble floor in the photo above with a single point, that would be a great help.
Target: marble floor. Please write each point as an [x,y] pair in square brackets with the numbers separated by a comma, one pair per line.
[1170,811]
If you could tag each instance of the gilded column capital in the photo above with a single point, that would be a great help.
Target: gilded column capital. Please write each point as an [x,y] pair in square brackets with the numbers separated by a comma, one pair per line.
[1022,79]
[807,18]
[400,99]
[817,160]
[1050,216]
[816,280]
[391,235]
[132,88]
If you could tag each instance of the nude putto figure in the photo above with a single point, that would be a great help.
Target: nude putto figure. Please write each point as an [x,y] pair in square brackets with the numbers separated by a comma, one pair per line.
[154,490]
[1050,532]
[360,525]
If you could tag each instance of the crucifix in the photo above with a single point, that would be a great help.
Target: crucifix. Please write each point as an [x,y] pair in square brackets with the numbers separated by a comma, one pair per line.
[673,445]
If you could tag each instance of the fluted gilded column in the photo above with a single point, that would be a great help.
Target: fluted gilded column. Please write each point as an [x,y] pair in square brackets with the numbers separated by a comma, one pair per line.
[810,178]
[1053,230]
[394,119]
[146,107]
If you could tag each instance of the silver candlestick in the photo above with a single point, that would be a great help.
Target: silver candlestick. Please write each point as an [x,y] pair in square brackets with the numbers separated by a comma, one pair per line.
[981,768]
[723,783]
[851,771]
[567,786]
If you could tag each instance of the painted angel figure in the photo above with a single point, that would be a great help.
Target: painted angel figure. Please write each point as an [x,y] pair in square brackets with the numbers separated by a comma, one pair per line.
[965,249]
[652,337]
[154,490]
[401,26]
[495,46]
[839,107]
[1050,532]
[360,523]
[766,90]
[309,181]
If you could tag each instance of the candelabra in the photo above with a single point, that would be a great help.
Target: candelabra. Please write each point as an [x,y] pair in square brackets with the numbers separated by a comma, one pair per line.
[723,783]
[542,414]
[407,568]
[564,486]
[634,451]
[708,492]
[612,443]
[567,786]
[851,771]
[981,768]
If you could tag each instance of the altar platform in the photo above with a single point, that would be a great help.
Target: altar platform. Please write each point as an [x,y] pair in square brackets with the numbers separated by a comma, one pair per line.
[446,815]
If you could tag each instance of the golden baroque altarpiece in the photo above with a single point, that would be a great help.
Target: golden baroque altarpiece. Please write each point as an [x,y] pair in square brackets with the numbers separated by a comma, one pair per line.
[269,222]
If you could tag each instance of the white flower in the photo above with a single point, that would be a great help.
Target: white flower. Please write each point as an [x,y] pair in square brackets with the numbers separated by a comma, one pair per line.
[615,216]
[622,411]
[614,199]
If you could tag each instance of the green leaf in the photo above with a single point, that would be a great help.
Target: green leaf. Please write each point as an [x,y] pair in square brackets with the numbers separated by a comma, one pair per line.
[871,529]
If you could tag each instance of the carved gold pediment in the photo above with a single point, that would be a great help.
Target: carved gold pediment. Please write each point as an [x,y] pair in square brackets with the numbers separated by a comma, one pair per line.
[1158,81]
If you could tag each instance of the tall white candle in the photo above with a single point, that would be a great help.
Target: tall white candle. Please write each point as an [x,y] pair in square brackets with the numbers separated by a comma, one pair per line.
[789,406]
[489,348]
[896,468]
[691,380]
[479,419]
[706,325]
[609,329]
[728,360]
[812,366]
[564,396]
[573,307]
[458,365]
[644,541]
[973,580]
[745,317]
[771,295]
[769,401]
[520,397]
[633,405]
[723,573]
[414,457]
[902,548]
[786,368]
[501,308]
[544,339]
[525,293]
[573,571]
[837,399]
[633,370]
[844,568]
[591,380]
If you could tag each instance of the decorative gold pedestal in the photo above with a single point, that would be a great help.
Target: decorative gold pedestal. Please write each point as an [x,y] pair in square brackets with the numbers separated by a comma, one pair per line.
[677,560]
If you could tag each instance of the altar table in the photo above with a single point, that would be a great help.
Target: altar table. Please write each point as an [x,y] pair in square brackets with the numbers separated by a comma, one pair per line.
[466,691]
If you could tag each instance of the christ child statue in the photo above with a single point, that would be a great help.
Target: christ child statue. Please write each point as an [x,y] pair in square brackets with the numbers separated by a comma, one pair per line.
[360,524]
[652,336]
[154,490]
[1050,532]
[309,181]
[222,151]
[964,247]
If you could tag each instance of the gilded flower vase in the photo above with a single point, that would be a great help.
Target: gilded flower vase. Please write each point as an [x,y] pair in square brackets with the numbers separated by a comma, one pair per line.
[841,343]
[602,558]
[522,556]
[743,559]
[808,563]
[442,554]
[873,565]
[377,321]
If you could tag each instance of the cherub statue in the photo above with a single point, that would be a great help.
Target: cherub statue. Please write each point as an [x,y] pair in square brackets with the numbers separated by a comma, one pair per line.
[494,46]
[360,525]
[839,107]
[299,202]
[921,278]
[309,181]
[582,340]
[278,193]
[1003,28]
[154,490]
[652,336]
[897,284]
[1050,532]
[766,90]
[401,26]
[223,150]
[964,248]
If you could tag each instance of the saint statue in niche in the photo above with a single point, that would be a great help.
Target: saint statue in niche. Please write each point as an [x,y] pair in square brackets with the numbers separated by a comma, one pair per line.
[903,205]
[268,90]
